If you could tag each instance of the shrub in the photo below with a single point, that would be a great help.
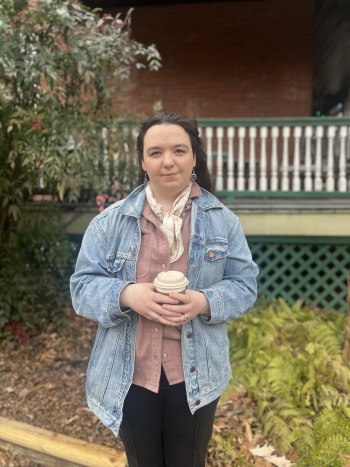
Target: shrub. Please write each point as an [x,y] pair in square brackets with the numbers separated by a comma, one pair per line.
[60,65]
[35,266]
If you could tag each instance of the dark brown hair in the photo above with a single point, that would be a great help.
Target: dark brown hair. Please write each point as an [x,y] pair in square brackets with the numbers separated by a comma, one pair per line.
[191,127]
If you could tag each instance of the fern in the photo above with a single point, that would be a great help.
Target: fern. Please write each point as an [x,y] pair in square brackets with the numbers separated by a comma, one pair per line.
[330,453]
[326,335]
[325,423]
[303,437]
[289,360]
[275,428]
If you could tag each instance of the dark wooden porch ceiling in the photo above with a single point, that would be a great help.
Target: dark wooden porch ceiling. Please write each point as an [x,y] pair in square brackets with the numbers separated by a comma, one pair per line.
[134,3]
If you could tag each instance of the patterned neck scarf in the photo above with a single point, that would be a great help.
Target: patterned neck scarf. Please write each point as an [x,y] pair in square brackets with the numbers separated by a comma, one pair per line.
[171,221]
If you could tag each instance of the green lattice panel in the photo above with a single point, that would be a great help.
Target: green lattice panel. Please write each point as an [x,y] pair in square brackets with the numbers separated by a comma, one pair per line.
[315,273]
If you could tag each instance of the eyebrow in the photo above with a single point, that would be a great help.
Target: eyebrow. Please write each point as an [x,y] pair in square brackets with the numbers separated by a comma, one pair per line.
[152,148]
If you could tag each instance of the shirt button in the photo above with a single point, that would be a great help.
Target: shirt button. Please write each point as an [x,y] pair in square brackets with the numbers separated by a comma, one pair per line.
[198,402]
[189,334]
[163,266]
[192,369]
[156,329]
[164,355]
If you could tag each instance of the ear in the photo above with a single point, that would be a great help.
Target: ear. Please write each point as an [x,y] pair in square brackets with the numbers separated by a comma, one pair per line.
[143,165]
[194,160]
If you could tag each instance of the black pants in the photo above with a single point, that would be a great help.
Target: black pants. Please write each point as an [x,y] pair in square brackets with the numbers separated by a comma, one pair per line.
[159,430]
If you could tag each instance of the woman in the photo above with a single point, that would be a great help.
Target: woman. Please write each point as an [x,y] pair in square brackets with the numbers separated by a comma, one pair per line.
[160,363]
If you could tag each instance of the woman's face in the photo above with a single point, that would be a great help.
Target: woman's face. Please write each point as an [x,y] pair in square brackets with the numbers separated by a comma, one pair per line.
[168,159]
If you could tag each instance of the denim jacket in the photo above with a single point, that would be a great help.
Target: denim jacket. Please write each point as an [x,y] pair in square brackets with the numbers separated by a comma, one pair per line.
[220,265]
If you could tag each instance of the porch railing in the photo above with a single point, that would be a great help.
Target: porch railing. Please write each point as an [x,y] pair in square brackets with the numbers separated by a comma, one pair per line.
[289,155]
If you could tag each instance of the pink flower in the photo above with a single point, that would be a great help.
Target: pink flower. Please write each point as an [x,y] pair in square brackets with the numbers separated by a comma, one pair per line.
[36,124]
[101,201]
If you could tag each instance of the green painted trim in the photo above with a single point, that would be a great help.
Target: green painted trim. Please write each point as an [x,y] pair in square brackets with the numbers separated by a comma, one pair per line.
[277,239]
[282,194]
[290,239]
[75,238]
[282,121]
[248,122]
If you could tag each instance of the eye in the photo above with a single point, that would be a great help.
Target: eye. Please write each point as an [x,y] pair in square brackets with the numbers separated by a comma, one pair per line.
[155,153]
[179,151]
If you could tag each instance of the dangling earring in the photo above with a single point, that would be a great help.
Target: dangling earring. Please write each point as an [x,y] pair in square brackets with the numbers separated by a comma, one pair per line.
[145,180]
[193,176]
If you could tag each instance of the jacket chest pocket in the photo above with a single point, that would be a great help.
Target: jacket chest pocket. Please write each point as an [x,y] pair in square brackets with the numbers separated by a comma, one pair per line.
[215,251]
[214,261]
[120,266]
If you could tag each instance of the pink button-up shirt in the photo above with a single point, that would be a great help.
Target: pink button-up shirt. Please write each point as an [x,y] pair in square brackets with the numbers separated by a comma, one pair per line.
[158,345]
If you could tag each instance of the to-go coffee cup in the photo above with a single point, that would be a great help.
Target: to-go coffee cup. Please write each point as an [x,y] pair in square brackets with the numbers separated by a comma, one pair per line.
[170,281]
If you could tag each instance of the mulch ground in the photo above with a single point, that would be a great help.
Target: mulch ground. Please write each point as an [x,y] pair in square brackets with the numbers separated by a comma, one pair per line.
[43,384]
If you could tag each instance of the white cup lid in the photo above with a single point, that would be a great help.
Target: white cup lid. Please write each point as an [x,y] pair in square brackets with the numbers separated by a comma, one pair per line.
[170,280]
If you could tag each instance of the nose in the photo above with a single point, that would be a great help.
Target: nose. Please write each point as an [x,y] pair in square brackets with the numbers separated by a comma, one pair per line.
[168,159]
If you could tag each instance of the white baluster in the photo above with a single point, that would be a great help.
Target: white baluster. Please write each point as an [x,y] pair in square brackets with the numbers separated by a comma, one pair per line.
[230,160]
[318,160]
[134,133]
[308,179]
[209,138]
[240,175]
[126,143]
[252,179]
[274,159]
[342,159]
[330,182]
[126,155]
[285,159]
[219,161]
[105,158]
[296,163]
[116,148]
[263,163]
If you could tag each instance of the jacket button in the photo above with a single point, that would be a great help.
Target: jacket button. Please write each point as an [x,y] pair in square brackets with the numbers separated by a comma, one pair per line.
[192,369]
[198,402]
[189,334]
[211,254]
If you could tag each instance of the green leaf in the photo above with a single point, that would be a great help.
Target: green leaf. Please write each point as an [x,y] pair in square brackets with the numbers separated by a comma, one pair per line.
[47,55]
[14,211]
[61,188]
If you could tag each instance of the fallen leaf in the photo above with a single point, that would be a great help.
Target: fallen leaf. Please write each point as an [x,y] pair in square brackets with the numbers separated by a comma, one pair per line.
[266,451]
[248,431]
[262,451]
[278,461]
[71,420]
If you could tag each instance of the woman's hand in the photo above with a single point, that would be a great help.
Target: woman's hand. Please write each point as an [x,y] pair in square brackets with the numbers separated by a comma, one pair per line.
[190,304]
[144,299]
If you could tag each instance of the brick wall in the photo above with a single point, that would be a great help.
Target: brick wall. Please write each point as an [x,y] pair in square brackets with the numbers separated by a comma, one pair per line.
[226,59]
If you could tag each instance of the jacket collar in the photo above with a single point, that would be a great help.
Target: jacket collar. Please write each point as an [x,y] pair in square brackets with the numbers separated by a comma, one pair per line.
[133,204]
[207,201]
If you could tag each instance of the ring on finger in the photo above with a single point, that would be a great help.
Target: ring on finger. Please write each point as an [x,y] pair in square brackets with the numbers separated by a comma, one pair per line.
[185,318]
